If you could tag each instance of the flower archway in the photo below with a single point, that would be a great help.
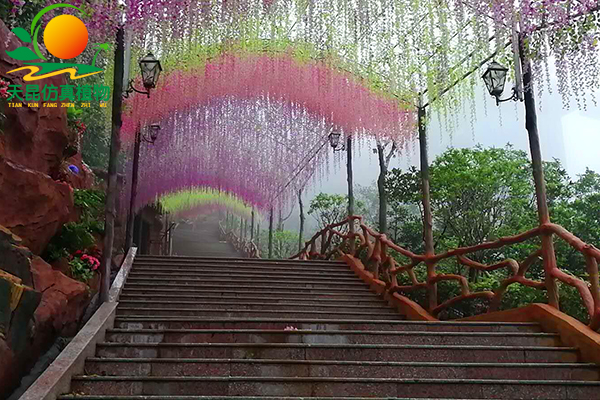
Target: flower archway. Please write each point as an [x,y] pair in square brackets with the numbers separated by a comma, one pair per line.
[255,125]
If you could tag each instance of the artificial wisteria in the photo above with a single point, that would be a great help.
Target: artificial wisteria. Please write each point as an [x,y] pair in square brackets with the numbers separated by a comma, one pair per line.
[406,46]
[240,76]
[193,202]
[323,91]
[261,150]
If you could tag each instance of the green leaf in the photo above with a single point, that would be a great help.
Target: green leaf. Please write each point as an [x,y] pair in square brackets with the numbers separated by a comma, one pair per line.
[23,54]
[22,34]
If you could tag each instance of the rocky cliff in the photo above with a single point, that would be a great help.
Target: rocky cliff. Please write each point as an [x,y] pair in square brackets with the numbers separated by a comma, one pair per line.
[37,302]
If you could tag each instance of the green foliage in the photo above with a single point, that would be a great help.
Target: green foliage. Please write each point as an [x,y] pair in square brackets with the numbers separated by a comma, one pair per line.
[72,237]
[328,209]
[80,270]
[23,15]
[79,235]
[95,140]
[285,244]
[480,195]
[91,204]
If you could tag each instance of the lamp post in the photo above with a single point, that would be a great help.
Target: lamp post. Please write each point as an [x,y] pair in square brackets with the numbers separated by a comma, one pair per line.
[150,69]
[139,137]
[495,78]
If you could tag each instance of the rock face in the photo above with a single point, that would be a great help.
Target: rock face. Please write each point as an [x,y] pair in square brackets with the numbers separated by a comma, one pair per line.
[50,305]
[32,205]
[36,200]
[63,300]
[82,180]
[35,137]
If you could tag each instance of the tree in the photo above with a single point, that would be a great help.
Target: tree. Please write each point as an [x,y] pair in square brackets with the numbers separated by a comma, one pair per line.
[285,243]
[477,195]
[384,162]
[328,209]
[369,197]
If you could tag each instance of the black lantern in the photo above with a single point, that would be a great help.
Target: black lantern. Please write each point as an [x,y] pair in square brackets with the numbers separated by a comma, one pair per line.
[334,141]
[151,70]
[495,79]
[154,130]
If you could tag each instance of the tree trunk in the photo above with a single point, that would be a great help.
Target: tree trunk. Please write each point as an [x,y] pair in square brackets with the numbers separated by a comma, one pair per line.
[538,176]
[300,244]
[381,188]
[280,222]
[427,217]
[112,185]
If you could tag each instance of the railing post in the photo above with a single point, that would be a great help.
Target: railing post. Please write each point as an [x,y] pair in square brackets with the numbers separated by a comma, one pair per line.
[427,217]
[350,193]
[241,228]
[592,269]
[538,177]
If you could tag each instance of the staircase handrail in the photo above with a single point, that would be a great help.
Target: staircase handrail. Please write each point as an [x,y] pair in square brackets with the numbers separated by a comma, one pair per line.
[379,260]
[247,247]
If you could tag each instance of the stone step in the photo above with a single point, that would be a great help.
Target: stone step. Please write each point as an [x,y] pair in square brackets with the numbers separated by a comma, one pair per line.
[333,336]
[331,368]
[233,260]
[255,282]
[356,352]
[212,274]
[309,387]
[234,312]
[208,298]
[148,322]
[244,304]
[336,269]
[230,264]
[257,270]
[350,295]
[192,397]
[255,286]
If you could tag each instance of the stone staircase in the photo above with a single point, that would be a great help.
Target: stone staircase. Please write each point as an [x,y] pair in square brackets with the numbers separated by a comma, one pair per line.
[216,328]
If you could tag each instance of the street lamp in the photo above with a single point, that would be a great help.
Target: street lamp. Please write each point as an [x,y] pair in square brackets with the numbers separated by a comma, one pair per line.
[334,141]
[151,69]
[495,79]
[154,131]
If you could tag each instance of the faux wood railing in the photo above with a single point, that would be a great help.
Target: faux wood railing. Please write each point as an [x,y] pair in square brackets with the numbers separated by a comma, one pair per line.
[335,241]
[246,247]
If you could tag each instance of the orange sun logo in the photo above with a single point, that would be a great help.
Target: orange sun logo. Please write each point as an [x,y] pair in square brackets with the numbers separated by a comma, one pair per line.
[65,36]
